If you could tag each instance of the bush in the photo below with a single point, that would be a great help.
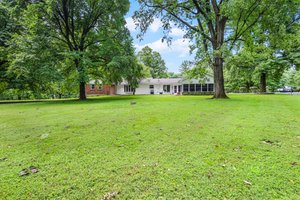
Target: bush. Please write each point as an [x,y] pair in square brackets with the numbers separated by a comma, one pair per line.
[243,90]
[254,89]
[16,94]
[198,93]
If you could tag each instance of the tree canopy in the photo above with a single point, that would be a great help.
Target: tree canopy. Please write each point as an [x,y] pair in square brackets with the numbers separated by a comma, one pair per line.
[153,61]
[70,40]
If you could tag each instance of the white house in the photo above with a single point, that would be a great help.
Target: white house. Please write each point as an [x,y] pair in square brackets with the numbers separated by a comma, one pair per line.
[167,86]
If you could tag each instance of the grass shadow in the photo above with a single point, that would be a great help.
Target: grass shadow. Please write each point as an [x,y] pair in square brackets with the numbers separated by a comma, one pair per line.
[89,100]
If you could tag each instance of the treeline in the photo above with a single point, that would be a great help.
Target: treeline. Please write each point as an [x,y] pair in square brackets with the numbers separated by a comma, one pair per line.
[52,48]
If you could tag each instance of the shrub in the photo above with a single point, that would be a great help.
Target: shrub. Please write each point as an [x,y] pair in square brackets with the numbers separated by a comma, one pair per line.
[198,93]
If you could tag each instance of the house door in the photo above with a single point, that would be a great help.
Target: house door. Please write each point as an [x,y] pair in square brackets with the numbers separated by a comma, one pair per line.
[179,89]
[175,89]
[151,87]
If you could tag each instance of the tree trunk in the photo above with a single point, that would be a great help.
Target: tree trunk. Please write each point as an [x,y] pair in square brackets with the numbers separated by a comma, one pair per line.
[218,60]
[263,83]
[219,79]
[82,95]
[248,85]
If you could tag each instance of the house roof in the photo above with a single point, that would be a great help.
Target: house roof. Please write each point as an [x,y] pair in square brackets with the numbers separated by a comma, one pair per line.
[164,81]
[157,81]
[168,81]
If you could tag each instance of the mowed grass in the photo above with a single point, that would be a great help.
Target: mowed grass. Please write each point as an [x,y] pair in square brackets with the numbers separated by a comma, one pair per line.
[163,147]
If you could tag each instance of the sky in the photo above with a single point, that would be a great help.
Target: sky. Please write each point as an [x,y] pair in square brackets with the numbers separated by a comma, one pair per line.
[173,54]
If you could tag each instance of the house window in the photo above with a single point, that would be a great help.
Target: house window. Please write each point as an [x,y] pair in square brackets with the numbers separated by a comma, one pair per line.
[185,88]
[192,88]
[210,87]
[167,88]
[198,87]
[92,86]
[100,88]
[128,88]
[151,86]
[204,87]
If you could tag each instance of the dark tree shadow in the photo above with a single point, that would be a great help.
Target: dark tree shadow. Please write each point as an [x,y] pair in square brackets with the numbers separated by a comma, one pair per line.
[99,99]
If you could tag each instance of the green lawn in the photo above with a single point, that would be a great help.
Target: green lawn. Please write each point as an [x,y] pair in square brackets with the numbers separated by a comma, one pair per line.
[167,147]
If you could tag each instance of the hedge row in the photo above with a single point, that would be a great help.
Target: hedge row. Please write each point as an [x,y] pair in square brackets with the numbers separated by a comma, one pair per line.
[198,93]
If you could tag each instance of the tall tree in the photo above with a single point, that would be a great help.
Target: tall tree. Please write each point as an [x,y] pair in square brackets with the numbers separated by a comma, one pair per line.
[154,61]
[291,78]
[267,49]
[120,62]
[193,69]
[77,24]
[60,41]
[214,25]
[77,29]
[9,17]
[5,30]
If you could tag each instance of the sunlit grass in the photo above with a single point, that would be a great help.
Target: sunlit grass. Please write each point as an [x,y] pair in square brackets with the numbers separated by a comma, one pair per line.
[247,147]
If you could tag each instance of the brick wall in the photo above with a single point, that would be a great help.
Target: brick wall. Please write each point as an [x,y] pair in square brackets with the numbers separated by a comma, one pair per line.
[102,90]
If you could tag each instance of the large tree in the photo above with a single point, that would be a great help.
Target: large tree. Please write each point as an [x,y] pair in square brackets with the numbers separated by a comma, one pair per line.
[214,25]
[267,50]
[74,30]
[254,66]
[79,24]
[118,61]
[153,61]
[6,27]
[9,26]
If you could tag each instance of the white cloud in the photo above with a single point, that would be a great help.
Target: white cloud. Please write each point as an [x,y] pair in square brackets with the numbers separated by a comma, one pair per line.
[179,46]
[130,24]
[177,32]
[156,25]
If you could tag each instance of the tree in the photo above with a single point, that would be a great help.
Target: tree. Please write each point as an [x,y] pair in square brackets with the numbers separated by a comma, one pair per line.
[214,25]
[9,26]
[153,60]
[267,50]
[118,61]
[134,74]
[32,58]
[291,78]
[77,29]
[193,69]
[5,29]
[173,75]
[60,42]
[78,24]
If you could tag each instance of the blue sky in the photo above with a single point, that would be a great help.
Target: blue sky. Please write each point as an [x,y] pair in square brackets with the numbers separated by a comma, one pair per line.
[174,54]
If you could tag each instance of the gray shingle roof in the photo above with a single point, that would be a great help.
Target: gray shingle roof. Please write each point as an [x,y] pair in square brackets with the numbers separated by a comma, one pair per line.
[167,81]
[156,81]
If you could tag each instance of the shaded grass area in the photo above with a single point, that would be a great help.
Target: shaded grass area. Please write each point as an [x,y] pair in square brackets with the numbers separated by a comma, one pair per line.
[169,147]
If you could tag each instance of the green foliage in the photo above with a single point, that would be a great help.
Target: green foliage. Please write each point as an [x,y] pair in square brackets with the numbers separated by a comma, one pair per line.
[174,75]
[291,78]
[153,61]
[191,69]
[268,48]
[60,42]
